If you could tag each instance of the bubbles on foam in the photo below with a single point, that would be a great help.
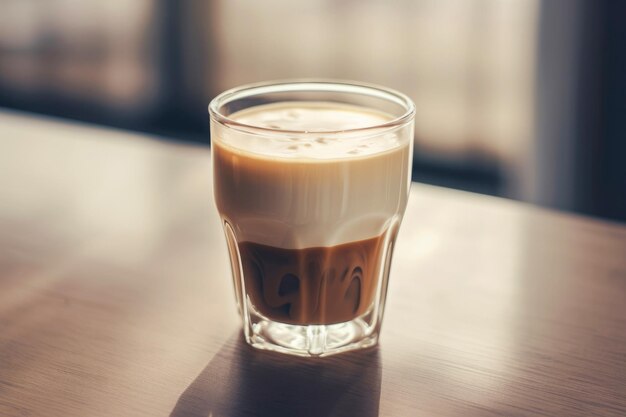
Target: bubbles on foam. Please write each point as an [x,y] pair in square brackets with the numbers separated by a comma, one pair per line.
[325,147]
[322,140]
[311,118]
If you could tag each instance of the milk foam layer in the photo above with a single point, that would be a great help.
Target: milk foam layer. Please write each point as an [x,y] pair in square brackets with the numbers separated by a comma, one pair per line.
[316,120]
[299,191]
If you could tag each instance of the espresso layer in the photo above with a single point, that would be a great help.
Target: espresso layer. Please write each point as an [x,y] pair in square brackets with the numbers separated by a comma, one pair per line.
[319,285]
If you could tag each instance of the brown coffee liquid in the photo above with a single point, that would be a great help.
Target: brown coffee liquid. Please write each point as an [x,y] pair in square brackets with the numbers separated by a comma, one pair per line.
[320,285]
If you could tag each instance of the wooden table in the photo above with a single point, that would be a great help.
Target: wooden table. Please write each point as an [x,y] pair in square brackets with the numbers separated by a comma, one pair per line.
[116,298]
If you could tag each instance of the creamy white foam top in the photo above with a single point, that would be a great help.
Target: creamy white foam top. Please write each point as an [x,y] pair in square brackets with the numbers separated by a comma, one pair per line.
[298,191]
[314,119]
[310,116]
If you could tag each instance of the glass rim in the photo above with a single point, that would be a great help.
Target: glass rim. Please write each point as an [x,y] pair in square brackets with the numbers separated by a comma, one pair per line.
[311,85]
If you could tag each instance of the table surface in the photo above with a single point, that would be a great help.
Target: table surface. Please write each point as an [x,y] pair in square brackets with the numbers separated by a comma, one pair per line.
[116,298]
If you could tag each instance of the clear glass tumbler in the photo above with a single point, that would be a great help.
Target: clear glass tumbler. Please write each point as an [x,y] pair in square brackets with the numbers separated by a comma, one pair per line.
[311,180]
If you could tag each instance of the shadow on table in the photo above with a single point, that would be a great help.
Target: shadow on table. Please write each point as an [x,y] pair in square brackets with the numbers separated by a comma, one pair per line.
[241,381]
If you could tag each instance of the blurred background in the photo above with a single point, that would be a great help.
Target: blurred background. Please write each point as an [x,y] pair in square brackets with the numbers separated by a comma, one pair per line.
[524,99]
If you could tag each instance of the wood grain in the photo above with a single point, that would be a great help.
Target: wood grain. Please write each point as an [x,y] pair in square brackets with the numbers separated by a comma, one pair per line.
[116,300]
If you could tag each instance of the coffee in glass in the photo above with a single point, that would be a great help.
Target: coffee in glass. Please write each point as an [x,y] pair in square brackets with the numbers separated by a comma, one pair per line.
[311,180]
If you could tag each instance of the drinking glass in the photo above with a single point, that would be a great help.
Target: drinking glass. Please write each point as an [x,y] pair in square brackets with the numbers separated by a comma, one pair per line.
[311,212]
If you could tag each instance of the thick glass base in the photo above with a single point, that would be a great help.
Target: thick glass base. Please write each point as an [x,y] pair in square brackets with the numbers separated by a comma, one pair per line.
[310,340]
[313,340]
